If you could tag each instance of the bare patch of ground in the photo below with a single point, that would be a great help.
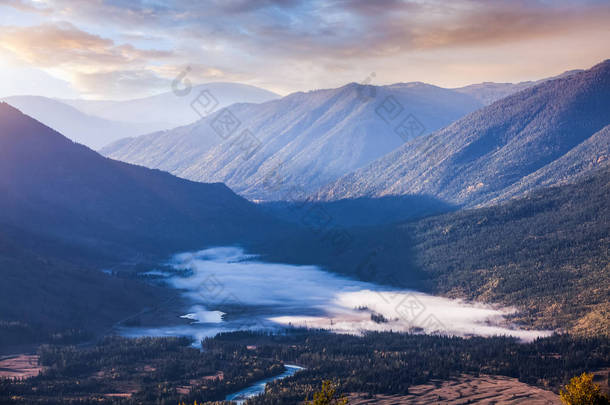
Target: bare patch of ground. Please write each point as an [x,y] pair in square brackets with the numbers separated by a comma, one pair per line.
[119,395]
[185,389]
[465,390]
[218,376]
[123,390]
[19,366]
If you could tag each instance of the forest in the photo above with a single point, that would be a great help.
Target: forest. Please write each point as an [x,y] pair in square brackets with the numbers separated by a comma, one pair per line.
[168,370]
[547,254]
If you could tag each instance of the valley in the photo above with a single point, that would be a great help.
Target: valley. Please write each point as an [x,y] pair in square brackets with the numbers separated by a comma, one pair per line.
[227,291]
[313,203]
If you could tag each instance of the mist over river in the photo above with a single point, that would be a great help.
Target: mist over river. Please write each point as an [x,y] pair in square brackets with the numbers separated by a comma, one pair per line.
[231,290]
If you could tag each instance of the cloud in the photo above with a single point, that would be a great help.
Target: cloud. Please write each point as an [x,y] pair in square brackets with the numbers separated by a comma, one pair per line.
[120,83]
[95,65]
[51,45]
[129,84]
[243,6]
[197,73]
[501,23]
[345,28]
[360,29]
[226,279]
[24,79]
[289,45]
[27,6]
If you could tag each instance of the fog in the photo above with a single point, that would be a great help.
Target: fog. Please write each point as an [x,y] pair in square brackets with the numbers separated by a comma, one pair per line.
[232,290]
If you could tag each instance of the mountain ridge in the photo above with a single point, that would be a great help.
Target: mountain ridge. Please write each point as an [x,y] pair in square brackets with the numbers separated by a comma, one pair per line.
[314,137]
[67,188]
[474,159]
[90,130]
[67,212]
[489,92]
[173,108]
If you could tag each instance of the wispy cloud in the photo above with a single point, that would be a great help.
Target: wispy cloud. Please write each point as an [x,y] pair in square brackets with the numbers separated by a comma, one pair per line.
[51,45]
[295,44]
[118,83]
[27,6]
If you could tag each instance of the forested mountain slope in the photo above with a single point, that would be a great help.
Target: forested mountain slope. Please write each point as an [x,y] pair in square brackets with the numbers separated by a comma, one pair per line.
[311,138]
[547,254]
[485,156]
[66,211]
[52,186]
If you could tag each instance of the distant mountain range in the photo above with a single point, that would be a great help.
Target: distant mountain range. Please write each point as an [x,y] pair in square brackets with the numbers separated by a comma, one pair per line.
[173,108]
[98,123]
[306,139]
[489,92]
[80,127]
[544,135]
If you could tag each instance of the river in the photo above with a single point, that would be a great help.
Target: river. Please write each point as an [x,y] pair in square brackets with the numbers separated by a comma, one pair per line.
[259,387]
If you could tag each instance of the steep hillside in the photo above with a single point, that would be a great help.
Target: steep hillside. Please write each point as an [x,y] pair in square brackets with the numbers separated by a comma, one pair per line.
[88,130]
[66,212]
[488,153]
[584,158]
[49,293]
[310,138]
[548,255]
[53,186]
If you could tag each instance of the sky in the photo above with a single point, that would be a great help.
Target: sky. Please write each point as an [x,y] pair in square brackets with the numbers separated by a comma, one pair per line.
[124,49]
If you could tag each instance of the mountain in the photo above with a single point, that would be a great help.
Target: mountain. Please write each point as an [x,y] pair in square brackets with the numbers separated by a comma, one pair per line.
[88,130]
[66,212]
[50,294]
[545,254]
[303,140]
[173,109]
[584,158]
[544,135]
[360,211]
[489,92]
[58,188]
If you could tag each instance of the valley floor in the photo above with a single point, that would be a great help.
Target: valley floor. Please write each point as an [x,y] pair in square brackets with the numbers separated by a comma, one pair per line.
[467,389]
[394,368]
[19,366]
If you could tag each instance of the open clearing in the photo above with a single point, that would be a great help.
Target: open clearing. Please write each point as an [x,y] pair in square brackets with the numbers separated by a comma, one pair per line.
[466,390]
[19,366]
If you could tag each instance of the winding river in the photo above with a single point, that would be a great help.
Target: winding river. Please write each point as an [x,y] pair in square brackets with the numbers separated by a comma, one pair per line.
[259,387]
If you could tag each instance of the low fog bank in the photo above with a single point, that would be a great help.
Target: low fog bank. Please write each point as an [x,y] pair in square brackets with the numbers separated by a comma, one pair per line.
[232,290]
